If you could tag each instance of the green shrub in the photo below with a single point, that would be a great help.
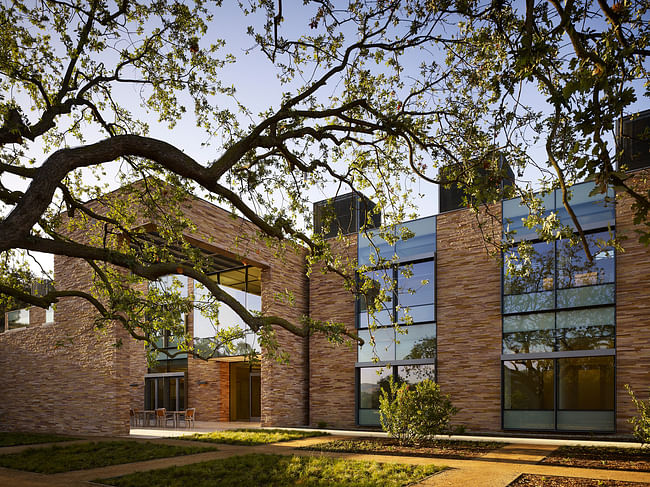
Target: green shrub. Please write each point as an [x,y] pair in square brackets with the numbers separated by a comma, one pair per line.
[641,422]
[412,413]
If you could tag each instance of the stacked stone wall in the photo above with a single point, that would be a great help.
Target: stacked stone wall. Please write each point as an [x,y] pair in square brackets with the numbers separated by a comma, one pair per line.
[468,283]
[331,367]
[632,310]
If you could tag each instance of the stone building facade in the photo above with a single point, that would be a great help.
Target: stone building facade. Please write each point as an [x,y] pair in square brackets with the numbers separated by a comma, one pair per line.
[65,375]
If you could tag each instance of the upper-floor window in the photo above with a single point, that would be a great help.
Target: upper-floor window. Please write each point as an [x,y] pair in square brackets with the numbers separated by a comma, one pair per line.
[547,275]
[244,284]
[18,318]
[398,289]
[593,211]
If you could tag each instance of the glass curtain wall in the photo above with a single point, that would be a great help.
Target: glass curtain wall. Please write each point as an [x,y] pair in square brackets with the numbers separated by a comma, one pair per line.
[165,384]
[399,289]
[559,321]
[244,284]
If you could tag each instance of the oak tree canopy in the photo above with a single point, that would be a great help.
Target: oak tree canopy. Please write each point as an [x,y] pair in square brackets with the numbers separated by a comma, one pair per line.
[374,96]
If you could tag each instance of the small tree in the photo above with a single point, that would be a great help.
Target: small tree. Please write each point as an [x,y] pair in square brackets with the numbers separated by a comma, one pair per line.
[412,413]
[641,422]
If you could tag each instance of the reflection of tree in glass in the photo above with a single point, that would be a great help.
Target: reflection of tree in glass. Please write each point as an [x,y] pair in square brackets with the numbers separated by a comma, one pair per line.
[425,348]
[529,268]
[413,374]
[575,270]
[528,341]
[531,384]
[376,290]
[586,338]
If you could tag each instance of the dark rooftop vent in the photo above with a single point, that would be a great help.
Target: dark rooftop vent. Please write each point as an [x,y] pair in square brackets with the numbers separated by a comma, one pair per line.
[451,197]
[634,140]
[347,213]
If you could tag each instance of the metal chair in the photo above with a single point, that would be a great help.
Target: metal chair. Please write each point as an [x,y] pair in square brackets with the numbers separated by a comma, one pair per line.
[189,417]
[162,417]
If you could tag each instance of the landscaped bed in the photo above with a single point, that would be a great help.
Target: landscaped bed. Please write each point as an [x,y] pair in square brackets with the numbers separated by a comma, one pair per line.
[388,446]
[280,471]
[527,480]
[56,459]
[251,437]
[14,439]
[601,457]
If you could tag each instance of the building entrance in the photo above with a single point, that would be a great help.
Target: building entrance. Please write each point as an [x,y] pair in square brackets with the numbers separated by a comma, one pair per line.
[245,392]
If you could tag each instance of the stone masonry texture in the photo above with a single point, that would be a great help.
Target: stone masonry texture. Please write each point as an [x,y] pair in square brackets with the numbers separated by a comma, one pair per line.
[468,310]
[69,377]
[632,311]
[331,367]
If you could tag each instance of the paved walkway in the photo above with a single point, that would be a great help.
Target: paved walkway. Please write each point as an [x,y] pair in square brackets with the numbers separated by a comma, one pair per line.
[495,469]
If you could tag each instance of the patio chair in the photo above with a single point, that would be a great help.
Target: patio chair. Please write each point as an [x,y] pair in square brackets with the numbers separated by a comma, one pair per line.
[133,413]
[189,417]
[162,418]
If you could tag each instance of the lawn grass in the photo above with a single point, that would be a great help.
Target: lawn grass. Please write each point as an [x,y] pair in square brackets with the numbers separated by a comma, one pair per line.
[14,439]
[250,437]
[279,471]
[56,459]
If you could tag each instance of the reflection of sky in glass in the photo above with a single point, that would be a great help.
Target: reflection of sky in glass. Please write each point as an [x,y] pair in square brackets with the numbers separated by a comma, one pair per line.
[535,276]
[421,245]
[370,382]
[592,211]
[575,270]
[204,328]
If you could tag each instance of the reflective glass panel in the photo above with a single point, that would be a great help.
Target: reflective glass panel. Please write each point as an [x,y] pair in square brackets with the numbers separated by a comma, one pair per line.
[586,383]
[18,318]
[592,211]
[587,329]
[371,381]
[533,274]
[514,213]
[528,384]
[377,292]
[575,270]
[372,249]
[528,333]
[586,420]
[423,242]
[383,347]
[417,342]
[415,284]
[586,296]
[529,420]
[522,303]
[412,374]
[416,314]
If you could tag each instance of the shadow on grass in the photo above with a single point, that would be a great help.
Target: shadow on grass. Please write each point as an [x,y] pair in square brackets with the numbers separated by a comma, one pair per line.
[279,471]
[83,456]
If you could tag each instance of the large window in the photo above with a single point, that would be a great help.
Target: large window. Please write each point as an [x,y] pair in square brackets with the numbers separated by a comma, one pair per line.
[395,311]
[372,380]
[243,284]
[559,321]
[165,340]
[585,394]
[165,391]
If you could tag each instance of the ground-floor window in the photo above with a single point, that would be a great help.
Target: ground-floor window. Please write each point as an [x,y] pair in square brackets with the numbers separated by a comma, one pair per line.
[564,394]
[371,381]
[165,391]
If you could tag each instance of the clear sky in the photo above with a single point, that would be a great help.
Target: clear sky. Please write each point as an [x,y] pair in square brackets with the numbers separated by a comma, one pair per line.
[258,88]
